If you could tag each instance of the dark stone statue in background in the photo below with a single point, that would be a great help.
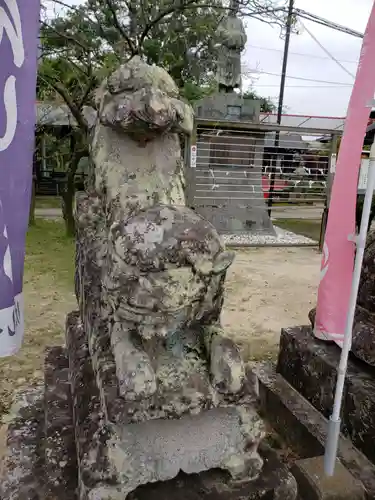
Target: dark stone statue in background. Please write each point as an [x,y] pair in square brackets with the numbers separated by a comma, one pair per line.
[232,35]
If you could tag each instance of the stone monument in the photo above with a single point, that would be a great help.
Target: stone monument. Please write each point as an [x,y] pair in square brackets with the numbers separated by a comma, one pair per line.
[229,156]
[149,386]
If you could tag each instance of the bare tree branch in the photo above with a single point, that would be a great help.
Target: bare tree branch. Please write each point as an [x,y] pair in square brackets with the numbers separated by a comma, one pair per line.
[121,30]
[160,17]
[63,92]
[65,36]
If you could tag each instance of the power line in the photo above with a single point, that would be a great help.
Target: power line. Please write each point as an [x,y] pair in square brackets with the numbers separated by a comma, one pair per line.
[313,56]
[303,79]
[327,23]
[327,51]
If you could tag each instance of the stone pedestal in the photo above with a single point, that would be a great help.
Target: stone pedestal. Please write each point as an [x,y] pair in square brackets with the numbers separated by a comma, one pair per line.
[298,398]
[310,366]
[225,185]
[124,445]
[58,445]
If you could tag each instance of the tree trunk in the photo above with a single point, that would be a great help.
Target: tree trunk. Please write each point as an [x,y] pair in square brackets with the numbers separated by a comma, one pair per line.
[68,190]
[67,206]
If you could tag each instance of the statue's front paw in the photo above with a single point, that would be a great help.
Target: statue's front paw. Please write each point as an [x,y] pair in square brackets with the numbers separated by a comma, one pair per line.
[136,377]
[226,366]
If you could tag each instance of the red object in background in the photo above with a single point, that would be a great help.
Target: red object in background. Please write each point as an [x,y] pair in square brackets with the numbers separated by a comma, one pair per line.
[278,186]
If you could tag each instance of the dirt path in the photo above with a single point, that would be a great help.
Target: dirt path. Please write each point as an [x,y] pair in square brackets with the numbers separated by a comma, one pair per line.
[267,289]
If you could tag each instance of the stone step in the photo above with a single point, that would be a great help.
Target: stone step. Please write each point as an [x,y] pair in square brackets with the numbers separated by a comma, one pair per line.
[60,449]
[23,460]
[93,469]
[304,428]
[310,366]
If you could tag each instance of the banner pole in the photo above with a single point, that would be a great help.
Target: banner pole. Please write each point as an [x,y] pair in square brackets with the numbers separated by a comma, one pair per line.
[360,242]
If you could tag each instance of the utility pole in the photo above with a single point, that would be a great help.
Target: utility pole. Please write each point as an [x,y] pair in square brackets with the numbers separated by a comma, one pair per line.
[281,98]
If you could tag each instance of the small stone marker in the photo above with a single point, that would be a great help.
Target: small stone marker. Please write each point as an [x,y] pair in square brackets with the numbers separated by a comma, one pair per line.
[313,484]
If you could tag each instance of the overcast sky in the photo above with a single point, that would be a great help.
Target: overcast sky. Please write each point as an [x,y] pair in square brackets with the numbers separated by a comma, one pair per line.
[305,97]
[325,101]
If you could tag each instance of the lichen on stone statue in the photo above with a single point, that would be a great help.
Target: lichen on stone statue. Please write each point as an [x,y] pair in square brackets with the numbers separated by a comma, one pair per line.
[163,266]
[150,276]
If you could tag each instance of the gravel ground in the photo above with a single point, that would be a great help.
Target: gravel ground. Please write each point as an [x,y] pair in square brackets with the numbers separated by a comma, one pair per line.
[268,289]
[282,238]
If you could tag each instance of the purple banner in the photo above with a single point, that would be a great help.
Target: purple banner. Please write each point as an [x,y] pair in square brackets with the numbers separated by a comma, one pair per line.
[19,26]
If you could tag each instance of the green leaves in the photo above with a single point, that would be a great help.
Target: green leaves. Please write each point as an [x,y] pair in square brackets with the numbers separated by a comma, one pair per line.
[266,104]
[83,44]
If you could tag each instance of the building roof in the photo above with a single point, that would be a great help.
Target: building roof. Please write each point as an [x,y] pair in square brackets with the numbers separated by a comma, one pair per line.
[333,123]
[286,141]
[54,115]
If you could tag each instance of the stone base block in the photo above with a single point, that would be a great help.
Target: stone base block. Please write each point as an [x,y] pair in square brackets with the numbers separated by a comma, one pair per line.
[310,366]
[313,484]
[159,449]
[115,458]
[41,459]
[246,219]
[274,483]
[304,428]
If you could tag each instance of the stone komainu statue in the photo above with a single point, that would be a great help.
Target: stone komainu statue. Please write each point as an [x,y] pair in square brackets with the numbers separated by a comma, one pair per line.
[147,385]
[150,277]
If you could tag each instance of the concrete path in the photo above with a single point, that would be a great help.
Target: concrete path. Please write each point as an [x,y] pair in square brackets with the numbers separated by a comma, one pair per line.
[48,213]
[312,212]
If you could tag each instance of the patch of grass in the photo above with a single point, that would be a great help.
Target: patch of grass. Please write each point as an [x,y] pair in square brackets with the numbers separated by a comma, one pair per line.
[47,202]
[305,227]
[48,291]
[50,251]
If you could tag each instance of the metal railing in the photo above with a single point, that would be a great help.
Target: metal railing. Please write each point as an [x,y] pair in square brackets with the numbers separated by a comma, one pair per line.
[238,173]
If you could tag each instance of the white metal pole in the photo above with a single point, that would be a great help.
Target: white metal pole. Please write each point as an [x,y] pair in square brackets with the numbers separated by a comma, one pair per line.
[360,241]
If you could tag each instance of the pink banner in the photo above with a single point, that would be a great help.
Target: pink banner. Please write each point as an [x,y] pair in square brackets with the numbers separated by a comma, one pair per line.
[338,251]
